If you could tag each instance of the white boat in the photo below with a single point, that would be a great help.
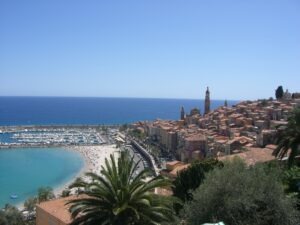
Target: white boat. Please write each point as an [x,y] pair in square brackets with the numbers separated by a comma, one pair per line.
[14,196]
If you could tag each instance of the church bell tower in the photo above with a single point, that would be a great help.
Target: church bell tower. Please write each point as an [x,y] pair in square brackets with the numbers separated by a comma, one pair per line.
[207,101]
[182,113]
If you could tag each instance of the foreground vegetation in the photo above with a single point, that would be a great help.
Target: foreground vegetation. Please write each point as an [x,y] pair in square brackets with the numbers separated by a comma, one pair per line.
[11,215]
[289,139]
[190,179]
[121,196]
[237,194]
[210,191]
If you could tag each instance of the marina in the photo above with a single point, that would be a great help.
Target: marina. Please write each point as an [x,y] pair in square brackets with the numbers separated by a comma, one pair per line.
[54,136]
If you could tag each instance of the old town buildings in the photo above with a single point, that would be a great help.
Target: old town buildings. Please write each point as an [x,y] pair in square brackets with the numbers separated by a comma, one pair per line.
[224,131]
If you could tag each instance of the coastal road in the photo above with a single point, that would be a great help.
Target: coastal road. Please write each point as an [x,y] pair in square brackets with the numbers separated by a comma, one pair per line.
[136,157]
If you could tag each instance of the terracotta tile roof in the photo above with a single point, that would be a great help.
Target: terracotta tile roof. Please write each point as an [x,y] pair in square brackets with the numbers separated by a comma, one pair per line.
[198,137]
[252,156]
[178,169]
[173,163]
[58,208]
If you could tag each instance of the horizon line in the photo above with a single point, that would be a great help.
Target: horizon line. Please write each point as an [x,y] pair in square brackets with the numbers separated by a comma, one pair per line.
[169,98]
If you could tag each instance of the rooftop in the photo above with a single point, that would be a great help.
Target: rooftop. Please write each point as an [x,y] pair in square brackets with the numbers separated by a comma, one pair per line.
[178,169]
[58,208]
[197,137]
[252,156]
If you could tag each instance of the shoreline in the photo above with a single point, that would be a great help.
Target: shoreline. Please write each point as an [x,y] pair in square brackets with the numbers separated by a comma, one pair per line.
[93,158]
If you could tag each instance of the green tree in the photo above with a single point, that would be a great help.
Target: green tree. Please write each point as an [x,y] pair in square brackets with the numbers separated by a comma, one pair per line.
[124,127]
[120,196]
[45,194]
[104,129]
[11,216]
[65,193]
[264,102]
[137,134]
[237,194]
[30,222]
[3,220]
[190,179]
[30,203]
[279,92]
[291,179]
[290,138]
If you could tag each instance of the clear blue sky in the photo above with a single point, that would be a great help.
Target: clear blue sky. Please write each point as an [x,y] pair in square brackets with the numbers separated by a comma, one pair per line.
[149,48]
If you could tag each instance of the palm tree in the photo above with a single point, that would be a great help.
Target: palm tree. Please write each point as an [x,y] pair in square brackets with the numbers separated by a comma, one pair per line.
[120,196]
[30,203]
[45,194]
[290,138]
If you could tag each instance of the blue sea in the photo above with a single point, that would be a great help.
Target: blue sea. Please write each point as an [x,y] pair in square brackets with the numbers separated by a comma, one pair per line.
[23,171]
[72,110]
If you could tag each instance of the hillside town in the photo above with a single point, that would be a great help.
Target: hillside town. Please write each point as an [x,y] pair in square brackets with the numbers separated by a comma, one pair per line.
[248,129]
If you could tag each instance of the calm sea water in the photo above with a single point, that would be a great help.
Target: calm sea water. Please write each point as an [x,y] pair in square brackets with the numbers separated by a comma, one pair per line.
[23,171]
[63,110]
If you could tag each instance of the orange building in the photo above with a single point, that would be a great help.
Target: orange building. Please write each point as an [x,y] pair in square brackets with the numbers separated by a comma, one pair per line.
[54,212]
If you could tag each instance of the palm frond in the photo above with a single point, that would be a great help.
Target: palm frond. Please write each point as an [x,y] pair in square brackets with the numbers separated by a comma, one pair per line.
[119,196]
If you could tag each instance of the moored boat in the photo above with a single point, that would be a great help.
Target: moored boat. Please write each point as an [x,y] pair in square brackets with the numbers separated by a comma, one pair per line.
[14,196]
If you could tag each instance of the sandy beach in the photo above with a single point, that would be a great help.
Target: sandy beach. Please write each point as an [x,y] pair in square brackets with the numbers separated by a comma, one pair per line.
[94,158]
